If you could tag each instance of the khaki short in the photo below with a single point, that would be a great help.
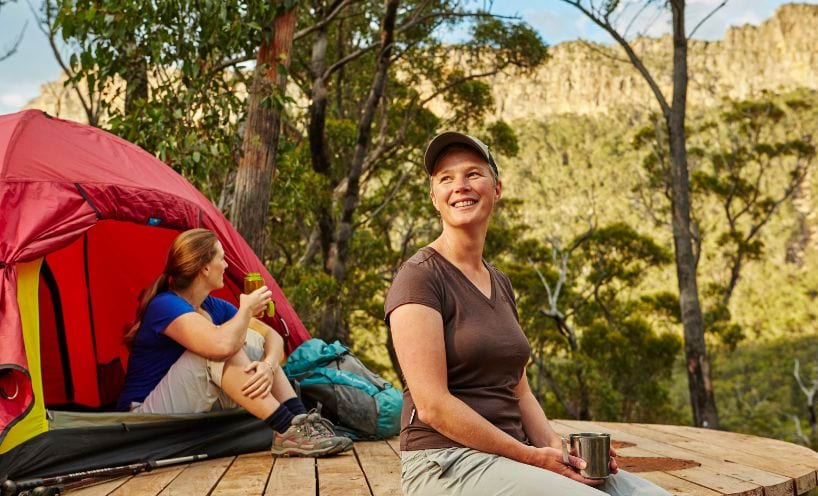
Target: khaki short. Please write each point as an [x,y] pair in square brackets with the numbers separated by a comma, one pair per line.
[464,471]
[193,383]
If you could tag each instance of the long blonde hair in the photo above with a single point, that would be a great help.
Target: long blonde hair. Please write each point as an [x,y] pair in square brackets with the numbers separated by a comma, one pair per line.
[188,254]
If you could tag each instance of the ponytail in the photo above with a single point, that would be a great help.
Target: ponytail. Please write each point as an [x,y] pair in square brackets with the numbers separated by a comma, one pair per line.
[189,252]
[145,297]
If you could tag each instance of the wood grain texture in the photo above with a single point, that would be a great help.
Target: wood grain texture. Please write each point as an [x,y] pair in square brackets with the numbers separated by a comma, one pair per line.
[381,466]
[149,483]
[198,479]
[678,486]
[394,443]
[341,476]
[710,475]
[102,488]
[731,464]
[246,476]
[292,477]
[766,454]
[717,459]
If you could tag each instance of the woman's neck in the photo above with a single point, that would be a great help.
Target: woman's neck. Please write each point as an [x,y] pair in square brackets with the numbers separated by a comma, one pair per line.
[193,294]
[464,249]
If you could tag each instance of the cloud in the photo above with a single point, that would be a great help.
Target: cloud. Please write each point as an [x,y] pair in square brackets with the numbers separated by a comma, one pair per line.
[13,99]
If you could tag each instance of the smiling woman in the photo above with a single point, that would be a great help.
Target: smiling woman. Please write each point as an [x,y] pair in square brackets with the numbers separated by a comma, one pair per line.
[470,423]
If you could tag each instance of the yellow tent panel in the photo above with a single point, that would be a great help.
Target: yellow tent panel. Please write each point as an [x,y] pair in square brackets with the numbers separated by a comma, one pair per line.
[28,279]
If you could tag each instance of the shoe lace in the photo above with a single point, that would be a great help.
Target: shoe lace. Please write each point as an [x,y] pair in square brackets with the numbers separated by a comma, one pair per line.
[323,427]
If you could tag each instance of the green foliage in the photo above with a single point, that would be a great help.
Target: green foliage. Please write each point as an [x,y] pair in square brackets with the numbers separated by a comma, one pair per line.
[158,74]
[756,390]
[502,139]
[610,168]
[742,171]
[169,77]
[594,340]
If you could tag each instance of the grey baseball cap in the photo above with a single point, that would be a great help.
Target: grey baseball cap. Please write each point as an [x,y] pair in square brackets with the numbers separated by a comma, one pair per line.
[443,140]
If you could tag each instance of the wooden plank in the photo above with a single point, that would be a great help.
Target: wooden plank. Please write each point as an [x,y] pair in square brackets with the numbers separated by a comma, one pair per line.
[247,475]
[767,454]
[394,443]
[710,475]
[759,455]
[677,486]
[715,459]
[381,466]
[292,476]
[99,489]
[198,478]
[746,440]
[149,483]
[341,476]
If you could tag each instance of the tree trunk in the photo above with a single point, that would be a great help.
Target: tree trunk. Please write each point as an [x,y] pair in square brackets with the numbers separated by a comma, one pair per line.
[136,84]
[261,134]
[702,399]
[343,233]
[319,152]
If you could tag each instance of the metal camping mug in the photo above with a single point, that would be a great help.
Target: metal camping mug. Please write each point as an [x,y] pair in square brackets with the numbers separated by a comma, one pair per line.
[594,448]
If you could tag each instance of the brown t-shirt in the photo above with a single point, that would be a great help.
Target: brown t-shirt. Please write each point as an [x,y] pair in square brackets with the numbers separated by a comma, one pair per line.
[486,350]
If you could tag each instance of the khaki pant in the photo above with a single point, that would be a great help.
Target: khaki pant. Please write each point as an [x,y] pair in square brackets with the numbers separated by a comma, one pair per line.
[193,383]
[464,471]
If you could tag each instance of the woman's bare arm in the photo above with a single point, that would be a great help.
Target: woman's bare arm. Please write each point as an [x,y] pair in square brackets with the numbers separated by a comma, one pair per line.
[199,335]
[535,423]
[417,332]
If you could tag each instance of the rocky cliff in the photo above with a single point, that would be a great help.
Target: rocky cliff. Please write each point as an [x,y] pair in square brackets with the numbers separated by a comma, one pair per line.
[583,78]
[780,54]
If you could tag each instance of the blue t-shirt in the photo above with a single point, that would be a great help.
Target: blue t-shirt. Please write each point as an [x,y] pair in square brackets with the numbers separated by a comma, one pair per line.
[153,353]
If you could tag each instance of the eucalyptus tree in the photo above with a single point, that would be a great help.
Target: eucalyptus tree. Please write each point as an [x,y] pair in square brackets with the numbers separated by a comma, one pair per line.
[162,75]
[372,81]
[381,79]
[257,164]
[607,15]
[749,161]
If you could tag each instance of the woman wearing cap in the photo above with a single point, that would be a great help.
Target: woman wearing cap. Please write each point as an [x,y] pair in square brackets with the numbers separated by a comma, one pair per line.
[470,424]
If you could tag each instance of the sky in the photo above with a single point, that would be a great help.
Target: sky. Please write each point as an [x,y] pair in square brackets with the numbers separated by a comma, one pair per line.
[33,64]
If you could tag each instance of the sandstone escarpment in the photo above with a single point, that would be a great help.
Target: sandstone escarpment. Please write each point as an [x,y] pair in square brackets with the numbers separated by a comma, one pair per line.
[780,54]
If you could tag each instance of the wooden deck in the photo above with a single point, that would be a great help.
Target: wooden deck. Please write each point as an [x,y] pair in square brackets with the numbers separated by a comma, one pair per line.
[684,460]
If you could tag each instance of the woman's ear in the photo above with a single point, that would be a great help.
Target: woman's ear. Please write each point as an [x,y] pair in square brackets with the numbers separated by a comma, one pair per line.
[498,188]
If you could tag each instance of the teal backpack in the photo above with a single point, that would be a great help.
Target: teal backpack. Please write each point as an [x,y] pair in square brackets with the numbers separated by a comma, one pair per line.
[360,403]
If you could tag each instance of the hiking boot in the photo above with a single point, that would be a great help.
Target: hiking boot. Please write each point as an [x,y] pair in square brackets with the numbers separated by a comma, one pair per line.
[303,439]
[325,428]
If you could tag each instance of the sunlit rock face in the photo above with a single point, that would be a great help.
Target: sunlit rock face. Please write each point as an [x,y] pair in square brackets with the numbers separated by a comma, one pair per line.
[780,54]
[582,78]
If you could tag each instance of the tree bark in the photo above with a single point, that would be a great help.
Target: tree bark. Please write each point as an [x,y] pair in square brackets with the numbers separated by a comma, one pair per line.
[702,399]
[331,323]
[258,161]
[319,152]
[136,84]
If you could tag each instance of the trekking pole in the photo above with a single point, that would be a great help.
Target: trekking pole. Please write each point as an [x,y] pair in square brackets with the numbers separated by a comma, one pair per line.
[11,487]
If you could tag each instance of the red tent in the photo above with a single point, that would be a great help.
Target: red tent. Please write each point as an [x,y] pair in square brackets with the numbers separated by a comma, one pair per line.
[86,222]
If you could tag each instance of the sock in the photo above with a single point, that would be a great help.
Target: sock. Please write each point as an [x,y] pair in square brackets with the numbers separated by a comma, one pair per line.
[280,419]
[295,405]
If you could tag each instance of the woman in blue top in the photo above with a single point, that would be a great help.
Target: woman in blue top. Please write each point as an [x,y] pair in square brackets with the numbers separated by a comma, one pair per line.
[191,352]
